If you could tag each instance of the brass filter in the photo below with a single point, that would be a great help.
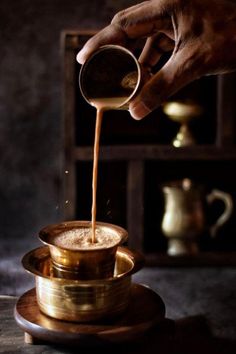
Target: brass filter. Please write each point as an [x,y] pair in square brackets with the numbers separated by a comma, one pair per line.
[82,300]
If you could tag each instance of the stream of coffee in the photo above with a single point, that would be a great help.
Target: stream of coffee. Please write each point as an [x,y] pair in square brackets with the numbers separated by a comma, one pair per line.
[101,105]
[99,117]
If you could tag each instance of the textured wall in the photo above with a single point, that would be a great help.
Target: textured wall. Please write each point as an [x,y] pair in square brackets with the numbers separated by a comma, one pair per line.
[30,105]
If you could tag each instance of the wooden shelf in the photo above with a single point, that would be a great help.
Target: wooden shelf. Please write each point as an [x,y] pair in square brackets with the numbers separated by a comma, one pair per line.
[201,259]
[141,161]
[155,152]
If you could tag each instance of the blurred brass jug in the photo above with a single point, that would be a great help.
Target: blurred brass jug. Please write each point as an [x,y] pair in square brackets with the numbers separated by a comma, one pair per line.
[184,218]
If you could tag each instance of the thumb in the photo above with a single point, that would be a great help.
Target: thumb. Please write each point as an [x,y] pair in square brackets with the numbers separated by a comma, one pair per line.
[183,67]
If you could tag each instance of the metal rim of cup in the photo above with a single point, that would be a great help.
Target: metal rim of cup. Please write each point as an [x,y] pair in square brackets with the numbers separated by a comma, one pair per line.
[41,254]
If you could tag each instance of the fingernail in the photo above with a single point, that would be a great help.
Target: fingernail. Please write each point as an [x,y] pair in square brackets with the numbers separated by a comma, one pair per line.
[139,110]
[81,56]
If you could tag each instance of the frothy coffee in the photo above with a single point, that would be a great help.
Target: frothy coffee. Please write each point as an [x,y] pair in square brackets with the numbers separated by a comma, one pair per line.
[78,239]
[105,103]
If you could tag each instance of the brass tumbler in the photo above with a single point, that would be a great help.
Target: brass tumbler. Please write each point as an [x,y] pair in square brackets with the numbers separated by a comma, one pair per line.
[112,74]
[84,263]
[82,300]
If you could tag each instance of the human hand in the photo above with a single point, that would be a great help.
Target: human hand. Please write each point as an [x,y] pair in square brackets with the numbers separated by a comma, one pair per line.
[200,33]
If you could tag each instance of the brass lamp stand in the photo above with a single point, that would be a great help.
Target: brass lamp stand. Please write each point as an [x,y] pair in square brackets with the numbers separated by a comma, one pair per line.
[183,113]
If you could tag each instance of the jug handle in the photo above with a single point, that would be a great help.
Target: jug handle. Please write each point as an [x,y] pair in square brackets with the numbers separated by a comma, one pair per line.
[227,199]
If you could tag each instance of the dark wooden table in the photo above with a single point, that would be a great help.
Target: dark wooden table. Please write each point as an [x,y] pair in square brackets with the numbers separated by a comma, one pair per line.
[200,301]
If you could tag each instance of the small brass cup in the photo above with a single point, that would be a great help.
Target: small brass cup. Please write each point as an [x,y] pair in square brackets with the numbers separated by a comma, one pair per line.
[82,300]
[113,74]
[83,264]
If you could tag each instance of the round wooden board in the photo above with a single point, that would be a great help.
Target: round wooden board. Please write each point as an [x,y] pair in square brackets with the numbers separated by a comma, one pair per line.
[146,309]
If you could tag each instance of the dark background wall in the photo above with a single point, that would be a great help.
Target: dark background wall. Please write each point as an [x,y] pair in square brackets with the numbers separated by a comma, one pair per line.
[30,106]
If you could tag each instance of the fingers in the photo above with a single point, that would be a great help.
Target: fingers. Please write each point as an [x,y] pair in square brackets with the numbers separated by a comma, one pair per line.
[154,48]
[109,35]
[182,68]
[141,20]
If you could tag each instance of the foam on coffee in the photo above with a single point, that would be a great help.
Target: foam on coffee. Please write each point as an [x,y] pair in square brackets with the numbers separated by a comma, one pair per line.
[78,239]
[105,103]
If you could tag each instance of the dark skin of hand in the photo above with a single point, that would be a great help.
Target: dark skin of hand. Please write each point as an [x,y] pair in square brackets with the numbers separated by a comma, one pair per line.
[200,33]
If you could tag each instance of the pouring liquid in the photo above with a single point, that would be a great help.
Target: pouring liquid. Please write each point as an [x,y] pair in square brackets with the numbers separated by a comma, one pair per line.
[101,105]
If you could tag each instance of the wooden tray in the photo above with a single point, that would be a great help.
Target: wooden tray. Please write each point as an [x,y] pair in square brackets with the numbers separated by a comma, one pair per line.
[146,310]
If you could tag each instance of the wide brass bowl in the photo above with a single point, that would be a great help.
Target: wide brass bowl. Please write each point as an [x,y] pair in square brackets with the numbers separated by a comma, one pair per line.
[82,300]
[82,263]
